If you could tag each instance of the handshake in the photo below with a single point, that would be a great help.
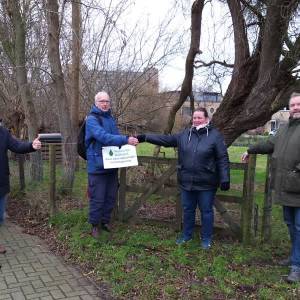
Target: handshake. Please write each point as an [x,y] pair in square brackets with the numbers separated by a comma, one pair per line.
[136,140]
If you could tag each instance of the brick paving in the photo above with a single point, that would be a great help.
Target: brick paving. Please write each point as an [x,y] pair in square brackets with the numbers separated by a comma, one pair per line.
[30,271]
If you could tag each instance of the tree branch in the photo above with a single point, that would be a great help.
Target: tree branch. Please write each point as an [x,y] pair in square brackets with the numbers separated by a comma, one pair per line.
[213,62]
[254,10]
[186,88]
[292,57]
[240,34]
[278,16]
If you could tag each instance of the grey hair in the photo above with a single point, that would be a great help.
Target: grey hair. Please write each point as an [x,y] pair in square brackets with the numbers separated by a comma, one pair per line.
[294,94]
[100,94]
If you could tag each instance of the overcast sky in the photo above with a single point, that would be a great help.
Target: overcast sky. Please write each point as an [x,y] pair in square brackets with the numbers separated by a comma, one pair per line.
[213,36]
[215,27]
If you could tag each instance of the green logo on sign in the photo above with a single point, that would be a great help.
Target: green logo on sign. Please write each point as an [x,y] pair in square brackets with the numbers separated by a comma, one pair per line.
[111,153]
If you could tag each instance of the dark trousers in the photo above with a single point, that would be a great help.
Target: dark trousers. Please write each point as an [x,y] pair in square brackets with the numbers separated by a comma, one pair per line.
[292,219]
[102,192]
[205,200]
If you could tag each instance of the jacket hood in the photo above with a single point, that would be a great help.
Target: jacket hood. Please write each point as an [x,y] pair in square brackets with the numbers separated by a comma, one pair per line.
[98,111]
[203,130]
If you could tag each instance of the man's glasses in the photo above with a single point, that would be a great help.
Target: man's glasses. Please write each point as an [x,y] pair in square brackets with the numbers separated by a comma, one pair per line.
[103,101]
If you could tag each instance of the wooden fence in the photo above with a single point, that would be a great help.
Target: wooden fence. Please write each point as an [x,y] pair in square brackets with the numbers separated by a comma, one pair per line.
[165,185]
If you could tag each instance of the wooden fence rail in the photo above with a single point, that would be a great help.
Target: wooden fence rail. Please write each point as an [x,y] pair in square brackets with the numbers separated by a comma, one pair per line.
[245,230]
[165,185]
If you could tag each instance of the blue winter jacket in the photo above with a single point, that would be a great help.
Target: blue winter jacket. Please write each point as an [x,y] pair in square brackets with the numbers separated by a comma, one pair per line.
[202,157]
[101,131]
[7,142]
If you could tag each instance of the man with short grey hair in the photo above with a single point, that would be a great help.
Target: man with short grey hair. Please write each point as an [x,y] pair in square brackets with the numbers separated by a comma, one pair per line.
[285,150]
[101,130]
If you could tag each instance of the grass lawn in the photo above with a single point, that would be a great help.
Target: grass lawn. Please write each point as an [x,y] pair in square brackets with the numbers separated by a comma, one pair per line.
[141,261]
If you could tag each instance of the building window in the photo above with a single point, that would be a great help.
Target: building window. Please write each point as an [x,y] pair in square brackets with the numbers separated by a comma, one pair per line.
[186,111]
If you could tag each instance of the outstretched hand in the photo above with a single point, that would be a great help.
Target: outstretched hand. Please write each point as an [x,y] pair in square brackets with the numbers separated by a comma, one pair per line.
[245,157]
[141,138]
[36,144]
[133,141]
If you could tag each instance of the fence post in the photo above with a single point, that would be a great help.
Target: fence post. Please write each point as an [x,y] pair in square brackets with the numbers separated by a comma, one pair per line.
[122,194]
[52,179]
[247,207]
[266,229]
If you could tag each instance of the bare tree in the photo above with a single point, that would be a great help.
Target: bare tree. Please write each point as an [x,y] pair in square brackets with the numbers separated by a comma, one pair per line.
[76,53]
[13,38]
[266,63]
[68,133]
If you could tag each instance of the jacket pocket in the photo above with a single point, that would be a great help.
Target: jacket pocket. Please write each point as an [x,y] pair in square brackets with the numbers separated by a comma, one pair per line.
[292,182]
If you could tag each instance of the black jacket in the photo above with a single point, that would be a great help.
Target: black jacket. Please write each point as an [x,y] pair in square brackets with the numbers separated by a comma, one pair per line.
[7,142]
[202,157]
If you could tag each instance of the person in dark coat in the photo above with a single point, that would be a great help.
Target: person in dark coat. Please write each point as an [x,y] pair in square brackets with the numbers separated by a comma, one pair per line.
[203,166]
[101,130]
[285,168]
[8,142]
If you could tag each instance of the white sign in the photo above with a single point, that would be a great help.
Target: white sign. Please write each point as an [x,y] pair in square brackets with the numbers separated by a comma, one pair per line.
[115,157]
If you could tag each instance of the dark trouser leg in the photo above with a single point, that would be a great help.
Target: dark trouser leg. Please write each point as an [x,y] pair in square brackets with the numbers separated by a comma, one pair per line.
[295,257]
[97,190]
[206,201]
[288,217]
[2,208]
[189,205]
[110,197]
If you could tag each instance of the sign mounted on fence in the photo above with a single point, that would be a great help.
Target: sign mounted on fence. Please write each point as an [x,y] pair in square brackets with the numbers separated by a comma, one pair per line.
[115,157]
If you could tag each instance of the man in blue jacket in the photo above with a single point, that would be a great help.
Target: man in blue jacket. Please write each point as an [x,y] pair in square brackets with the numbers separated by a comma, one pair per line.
[8,142]
[101,130]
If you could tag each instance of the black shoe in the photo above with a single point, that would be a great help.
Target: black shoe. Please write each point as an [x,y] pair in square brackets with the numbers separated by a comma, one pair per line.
[105,227]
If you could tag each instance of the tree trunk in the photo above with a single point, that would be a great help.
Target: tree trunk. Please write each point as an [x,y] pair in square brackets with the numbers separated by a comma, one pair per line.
[258,81]
[186,88]
[261,82]
[76,54]
[24,89]
[68,134]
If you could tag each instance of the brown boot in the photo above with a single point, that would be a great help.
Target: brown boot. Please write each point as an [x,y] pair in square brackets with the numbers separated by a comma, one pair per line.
[95,232]
[2,249]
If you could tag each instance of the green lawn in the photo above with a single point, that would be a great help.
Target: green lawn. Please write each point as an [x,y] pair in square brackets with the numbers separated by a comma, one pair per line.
[141,261]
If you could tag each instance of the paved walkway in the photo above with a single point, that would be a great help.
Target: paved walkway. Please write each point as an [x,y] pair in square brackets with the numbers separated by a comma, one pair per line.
[30,271]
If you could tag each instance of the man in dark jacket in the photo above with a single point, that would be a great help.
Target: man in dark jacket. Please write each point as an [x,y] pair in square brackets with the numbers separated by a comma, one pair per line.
[101,130]
[8,142]
[203,166]
[285,150]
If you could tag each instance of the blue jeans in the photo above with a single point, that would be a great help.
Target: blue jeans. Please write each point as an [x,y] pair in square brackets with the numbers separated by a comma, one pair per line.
[2,208]
[205,201]
[102,191]
[291,217]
